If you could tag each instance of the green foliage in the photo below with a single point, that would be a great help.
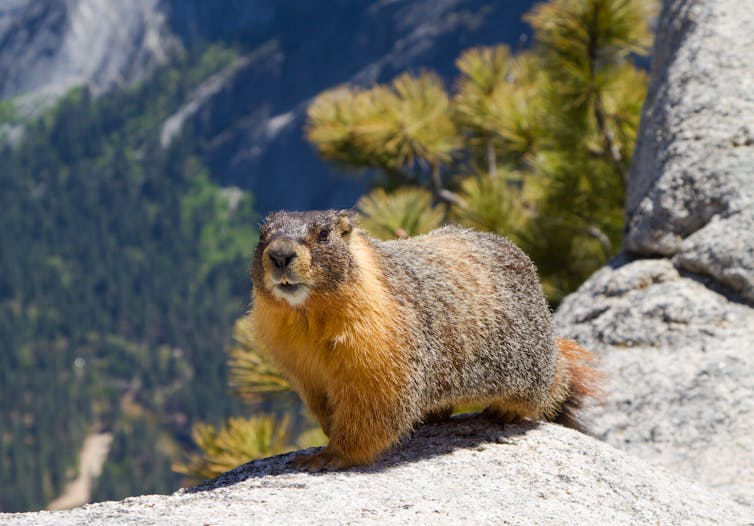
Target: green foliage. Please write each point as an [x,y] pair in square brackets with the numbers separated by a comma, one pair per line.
[494,204]
[583,164]
[497,104]
[124,267]
[8,112]
[237,442]
[251,375]
[534,146]
[407,211]
[211,60]
[583,42]
[212,217]
[404,129]
[143,448]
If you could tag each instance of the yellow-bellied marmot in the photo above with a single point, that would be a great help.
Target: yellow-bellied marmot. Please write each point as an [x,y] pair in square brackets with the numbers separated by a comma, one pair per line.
[378,336]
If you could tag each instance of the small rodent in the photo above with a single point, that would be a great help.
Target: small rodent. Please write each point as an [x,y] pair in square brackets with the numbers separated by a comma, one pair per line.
[377,336]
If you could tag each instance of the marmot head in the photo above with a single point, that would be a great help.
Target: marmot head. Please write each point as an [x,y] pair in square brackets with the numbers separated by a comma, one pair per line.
[303,253]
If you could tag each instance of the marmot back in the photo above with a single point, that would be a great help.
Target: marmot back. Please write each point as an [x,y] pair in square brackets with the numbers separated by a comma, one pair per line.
[378,336]
[482,314]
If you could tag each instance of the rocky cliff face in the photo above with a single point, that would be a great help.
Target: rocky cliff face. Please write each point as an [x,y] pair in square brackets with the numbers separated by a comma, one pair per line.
[49,46]
[672,319]
[691,196]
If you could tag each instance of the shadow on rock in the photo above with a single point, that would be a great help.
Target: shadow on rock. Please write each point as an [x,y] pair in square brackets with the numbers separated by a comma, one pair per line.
[427,441]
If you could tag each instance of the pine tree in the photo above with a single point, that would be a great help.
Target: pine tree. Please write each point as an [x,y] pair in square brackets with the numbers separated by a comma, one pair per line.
[497,105]
[404,129]
[408,211]
[593,102]
[238,441]
[535,146]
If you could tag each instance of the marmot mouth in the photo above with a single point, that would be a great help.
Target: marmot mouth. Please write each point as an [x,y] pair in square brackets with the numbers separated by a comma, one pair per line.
[289,288]
[293,293]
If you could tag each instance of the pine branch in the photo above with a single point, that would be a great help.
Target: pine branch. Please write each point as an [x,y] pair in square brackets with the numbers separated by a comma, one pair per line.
[491,158]
[610,148]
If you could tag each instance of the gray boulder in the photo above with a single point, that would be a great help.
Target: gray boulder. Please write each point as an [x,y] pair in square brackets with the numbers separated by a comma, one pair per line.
[691,189]
[466,471]
[680,371]
[671,318]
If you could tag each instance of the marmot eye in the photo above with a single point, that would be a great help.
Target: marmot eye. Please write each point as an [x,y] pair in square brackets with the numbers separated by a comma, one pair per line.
[323,235]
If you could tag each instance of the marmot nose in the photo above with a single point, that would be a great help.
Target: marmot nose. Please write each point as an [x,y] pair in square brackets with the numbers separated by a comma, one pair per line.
[281,256]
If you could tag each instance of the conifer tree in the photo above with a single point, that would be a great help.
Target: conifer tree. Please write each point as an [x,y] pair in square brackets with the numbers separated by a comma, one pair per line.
[403,129]
[593,102]
[408,211]
[535,146]
[238,441]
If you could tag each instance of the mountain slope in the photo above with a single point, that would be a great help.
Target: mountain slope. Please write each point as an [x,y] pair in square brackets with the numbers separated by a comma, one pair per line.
[123,268]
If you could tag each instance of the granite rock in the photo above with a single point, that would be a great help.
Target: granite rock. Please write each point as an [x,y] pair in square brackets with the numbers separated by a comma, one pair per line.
[50,46]
[465,471]
[691,190]
[680,371]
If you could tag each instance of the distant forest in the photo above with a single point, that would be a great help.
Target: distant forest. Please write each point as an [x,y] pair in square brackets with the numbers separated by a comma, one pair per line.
[123,268]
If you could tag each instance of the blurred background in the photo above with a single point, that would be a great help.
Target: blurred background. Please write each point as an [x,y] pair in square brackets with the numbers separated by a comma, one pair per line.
[142,142]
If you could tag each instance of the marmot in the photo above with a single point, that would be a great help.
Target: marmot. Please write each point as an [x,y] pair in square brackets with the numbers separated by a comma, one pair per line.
[377,336]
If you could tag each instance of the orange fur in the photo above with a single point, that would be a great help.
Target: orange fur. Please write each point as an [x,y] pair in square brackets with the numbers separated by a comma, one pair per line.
[342,353]
[583,382]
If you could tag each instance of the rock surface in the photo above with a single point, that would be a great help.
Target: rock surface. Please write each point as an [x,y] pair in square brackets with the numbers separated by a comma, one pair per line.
[691,191]
[675,330]
[680,370]
[466,471]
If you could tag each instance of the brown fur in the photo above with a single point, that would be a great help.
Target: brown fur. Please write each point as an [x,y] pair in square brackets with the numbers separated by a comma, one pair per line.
[378,336]
[583,383]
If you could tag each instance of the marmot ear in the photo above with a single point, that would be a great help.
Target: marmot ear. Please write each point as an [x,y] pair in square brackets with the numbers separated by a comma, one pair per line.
[345,221]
